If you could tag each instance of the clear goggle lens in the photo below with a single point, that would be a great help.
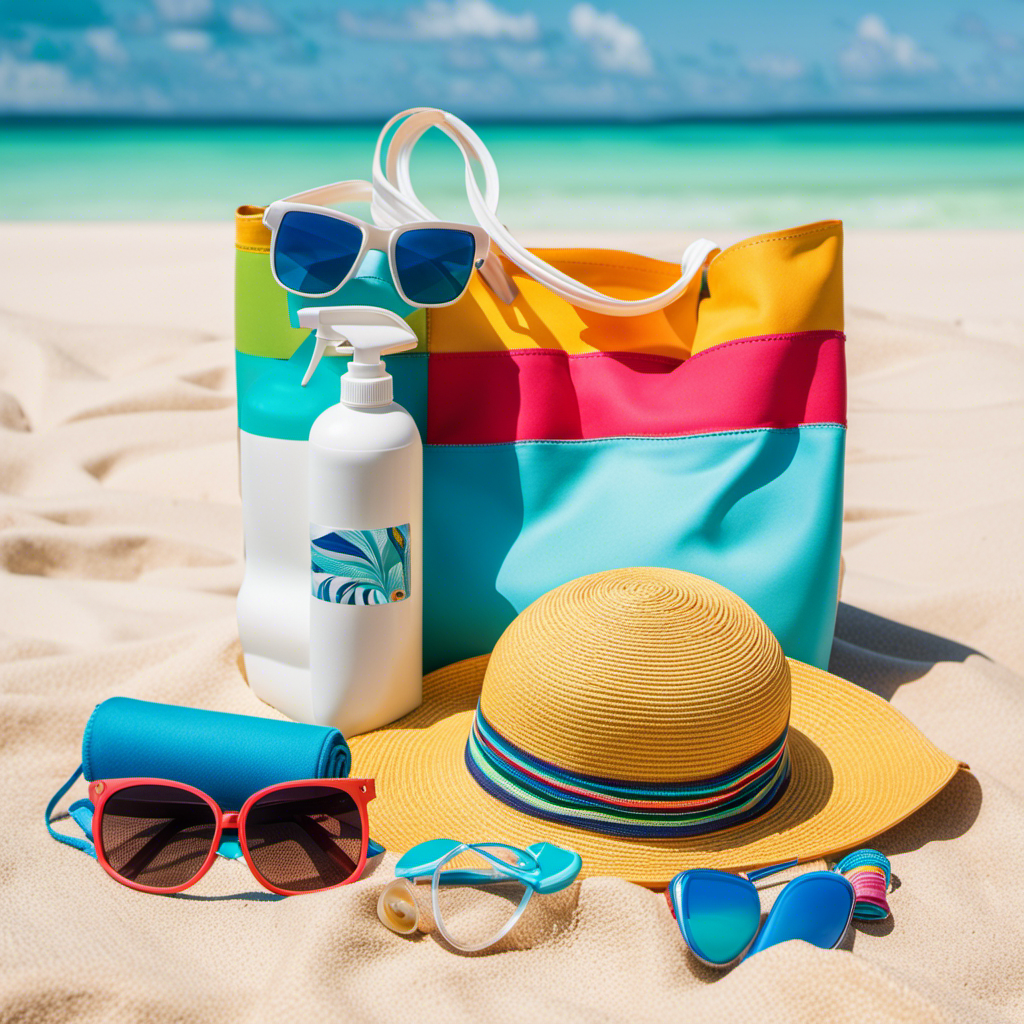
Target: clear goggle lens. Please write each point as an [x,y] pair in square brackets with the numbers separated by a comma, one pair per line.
[476,903]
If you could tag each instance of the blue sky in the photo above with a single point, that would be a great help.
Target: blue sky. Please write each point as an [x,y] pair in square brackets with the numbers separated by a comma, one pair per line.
[505,58]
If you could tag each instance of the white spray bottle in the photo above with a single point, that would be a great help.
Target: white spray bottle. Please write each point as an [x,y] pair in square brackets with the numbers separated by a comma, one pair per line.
[366,530]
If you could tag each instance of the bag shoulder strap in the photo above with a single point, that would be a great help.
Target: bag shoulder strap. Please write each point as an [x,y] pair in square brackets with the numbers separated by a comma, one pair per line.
[394,200]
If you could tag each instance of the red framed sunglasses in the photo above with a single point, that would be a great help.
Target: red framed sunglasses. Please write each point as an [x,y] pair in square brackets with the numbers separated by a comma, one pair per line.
[160,836]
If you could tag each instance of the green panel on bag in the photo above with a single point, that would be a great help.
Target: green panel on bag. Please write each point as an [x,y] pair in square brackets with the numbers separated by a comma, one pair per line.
[261,310]
[265,312]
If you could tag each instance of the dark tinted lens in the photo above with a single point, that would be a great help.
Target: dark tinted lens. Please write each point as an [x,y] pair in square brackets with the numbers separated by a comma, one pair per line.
[313,253]
[156,835]
[434,264]
[305,838]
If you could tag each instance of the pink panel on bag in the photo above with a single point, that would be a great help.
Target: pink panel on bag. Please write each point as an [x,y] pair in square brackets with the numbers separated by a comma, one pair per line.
[782,380]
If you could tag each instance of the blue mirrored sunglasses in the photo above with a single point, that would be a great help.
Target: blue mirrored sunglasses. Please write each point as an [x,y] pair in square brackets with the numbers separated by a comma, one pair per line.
[719,915]
[314,254]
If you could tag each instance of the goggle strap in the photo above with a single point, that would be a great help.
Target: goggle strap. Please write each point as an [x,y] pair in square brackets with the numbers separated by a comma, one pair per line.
[76,812]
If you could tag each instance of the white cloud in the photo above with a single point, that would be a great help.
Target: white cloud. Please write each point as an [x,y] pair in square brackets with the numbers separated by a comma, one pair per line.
[186,40]
[40,85]
[876,52]
[778,66]
[614,44]
[251,20]
[471,19]
[106,44]
[184,12]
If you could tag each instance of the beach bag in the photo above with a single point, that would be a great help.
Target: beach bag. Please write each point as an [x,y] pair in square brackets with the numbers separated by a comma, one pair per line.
[705,433]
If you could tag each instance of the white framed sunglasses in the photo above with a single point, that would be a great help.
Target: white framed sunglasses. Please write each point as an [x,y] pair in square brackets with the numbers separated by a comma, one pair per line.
[315,250]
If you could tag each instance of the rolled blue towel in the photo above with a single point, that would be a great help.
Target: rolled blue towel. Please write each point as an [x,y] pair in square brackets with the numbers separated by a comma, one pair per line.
[228,757]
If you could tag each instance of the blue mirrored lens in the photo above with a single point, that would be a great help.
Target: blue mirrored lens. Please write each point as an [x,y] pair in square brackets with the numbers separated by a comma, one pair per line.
[815,907]
[718,913]
[313,253]
[434,264]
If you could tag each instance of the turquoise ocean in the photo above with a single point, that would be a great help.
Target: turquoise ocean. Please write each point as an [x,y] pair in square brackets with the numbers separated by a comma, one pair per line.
[955,172]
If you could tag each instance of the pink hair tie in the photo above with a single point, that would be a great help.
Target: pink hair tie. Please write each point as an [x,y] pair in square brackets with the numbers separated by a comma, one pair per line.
[869,872]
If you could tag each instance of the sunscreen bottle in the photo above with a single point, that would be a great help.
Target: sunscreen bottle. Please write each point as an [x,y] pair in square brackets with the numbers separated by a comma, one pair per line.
[365,530]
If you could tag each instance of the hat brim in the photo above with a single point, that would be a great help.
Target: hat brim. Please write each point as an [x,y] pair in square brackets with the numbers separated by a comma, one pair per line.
[858,768]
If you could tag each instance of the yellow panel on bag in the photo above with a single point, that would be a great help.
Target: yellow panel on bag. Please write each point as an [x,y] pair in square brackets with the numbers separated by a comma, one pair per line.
[538,319]
[251,235]
[779,283]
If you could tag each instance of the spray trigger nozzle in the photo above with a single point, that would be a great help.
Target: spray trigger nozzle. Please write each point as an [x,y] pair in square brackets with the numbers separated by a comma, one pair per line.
[367,332]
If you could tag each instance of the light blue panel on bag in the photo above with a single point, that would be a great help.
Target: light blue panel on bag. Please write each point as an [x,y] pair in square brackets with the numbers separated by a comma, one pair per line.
[759,511]
[273,403]
[472,515]
[271,399]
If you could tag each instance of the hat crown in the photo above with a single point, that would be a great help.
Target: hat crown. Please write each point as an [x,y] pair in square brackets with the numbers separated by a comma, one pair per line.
[640,675]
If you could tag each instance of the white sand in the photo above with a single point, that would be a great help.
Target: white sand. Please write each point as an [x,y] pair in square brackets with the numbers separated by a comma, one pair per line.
[120,552]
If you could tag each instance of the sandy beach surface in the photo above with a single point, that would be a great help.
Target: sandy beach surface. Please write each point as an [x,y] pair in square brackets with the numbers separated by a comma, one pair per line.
[121,552]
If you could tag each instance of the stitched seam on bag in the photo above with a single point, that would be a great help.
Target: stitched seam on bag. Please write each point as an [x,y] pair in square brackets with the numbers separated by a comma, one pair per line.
[828,229]
[252,248]
[819,334]
[638,437]
[651,356]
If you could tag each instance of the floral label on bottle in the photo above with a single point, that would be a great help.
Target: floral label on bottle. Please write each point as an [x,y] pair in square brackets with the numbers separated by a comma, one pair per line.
[359,566]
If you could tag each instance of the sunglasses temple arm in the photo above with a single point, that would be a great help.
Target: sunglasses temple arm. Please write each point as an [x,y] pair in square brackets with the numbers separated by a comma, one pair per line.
[756,875]
[497,278]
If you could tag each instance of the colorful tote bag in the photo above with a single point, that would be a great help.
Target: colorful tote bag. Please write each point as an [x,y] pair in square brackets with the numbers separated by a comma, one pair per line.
[707,435]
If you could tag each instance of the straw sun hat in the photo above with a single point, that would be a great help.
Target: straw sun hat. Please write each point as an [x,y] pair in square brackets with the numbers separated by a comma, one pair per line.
[648,719]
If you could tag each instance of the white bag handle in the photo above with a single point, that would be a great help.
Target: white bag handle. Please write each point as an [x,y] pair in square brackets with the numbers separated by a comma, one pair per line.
[395,201]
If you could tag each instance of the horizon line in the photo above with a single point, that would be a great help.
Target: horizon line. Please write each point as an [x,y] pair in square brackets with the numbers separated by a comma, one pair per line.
[751,117]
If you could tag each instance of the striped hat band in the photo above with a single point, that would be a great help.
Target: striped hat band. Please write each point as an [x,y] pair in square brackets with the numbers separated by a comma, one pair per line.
[614,807]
